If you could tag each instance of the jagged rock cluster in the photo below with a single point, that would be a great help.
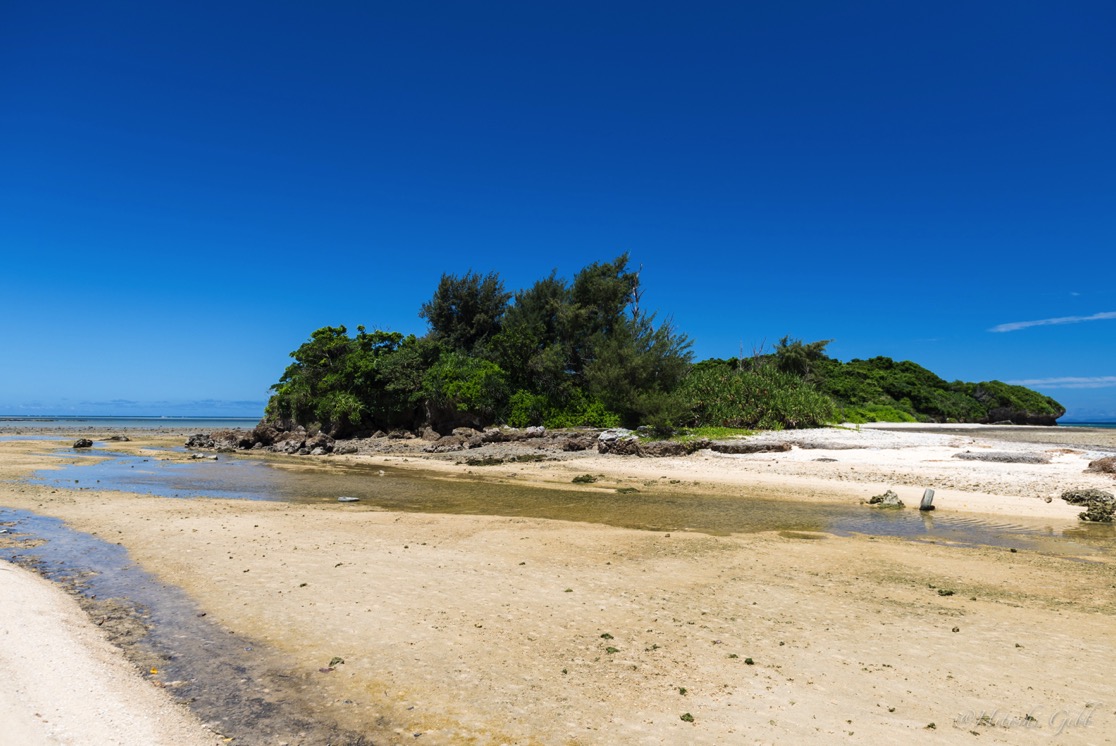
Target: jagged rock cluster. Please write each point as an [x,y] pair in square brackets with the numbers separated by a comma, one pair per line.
[887,500]
[1100,506]
[617,441]
[302,443]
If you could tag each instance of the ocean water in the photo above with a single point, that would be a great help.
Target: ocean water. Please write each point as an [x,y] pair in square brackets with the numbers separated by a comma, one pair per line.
[77,422]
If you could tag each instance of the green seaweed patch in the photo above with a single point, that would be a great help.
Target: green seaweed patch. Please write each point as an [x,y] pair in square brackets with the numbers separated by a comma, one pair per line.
[485,461]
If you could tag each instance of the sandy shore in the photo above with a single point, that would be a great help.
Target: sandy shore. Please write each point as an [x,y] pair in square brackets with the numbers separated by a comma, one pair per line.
[489,630]
[62,683]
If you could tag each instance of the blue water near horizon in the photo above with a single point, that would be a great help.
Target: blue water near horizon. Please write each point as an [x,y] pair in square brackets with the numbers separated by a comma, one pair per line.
[12,422]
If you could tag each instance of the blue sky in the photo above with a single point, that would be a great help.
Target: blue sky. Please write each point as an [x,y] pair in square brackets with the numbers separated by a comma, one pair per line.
[189,189]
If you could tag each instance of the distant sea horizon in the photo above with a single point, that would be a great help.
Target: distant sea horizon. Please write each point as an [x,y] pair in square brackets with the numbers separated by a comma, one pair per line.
[1108,424]
[216,423]
[124,421]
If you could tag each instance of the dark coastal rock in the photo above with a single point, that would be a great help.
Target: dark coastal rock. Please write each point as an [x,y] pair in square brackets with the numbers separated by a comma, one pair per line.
[887,500]
[621,442]
[744,446]
[119,438]
[535,431]
[577,443]
[620,447]
[664,448]
[430,434]
[289,443]
[1106,465]
[1003,457]
[229,440]
[267,433]
[322,441]
[1099,513]
[446,444]
[1086,496]
[199,440]
[618,441]
[1100,506]
[400,435]
[83,443]
[472,438]
[345,447]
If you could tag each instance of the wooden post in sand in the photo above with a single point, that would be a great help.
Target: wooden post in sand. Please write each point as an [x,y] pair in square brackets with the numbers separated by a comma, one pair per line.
[927,500]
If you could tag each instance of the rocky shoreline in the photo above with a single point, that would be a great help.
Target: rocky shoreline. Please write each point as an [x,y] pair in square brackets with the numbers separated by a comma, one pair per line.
[1031,447]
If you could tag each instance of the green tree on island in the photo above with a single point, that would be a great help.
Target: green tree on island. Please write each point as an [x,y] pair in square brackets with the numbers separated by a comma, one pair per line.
[584,352]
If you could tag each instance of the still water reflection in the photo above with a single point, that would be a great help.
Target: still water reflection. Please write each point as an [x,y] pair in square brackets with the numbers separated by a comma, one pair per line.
[652,508]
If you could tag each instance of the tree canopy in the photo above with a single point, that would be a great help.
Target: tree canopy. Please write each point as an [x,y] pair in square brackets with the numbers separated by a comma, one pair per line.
[583,352]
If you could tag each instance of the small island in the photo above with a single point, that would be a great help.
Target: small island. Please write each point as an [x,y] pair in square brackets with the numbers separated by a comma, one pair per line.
[587,353]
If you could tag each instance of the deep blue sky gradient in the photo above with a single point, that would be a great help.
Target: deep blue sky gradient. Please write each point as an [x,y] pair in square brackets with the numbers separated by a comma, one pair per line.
[189,189]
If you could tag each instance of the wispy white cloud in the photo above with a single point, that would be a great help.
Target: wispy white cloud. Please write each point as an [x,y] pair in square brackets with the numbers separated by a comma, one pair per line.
[1015,326]
[1069,382]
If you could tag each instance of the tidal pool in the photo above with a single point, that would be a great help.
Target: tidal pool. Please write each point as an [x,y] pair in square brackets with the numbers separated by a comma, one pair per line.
[652,508]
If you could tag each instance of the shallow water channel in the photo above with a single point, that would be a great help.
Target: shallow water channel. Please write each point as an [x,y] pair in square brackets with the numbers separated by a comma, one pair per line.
[241,690]
[246,691]
[651,508]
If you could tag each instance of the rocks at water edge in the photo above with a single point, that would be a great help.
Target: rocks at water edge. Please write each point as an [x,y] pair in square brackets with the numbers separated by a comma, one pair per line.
[1100,506]
[887,500]
[83,443]
[200,440]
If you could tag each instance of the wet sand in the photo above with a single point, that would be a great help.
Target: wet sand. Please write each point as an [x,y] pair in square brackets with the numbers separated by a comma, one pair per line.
[487,629]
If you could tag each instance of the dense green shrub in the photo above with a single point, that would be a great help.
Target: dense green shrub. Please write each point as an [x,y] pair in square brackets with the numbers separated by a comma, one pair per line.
[880,389]
[474,388]
[758,396]
[525,408]
[861,413]
[581,410]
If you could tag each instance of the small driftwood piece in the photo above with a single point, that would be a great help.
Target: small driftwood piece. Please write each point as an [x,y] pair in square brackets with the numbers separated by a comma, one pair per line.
[927,500]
